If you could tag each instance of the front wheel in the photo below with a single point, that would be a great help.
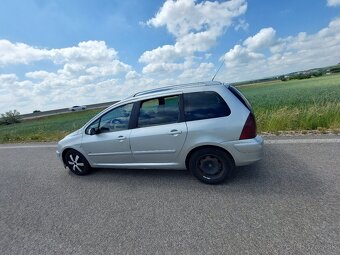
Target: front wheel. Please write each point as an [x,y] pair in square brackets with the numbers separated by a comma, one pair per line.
[77,163]
[211,165]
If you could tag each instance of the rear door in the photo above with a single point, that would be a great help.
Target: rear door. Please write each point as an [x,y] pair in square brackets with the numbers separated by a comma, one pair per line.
[160,133]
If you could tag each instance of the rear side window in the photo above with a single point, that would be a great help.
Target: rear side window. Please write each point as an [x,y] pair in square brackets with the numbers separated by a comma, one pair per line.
[204,105]
[159,111]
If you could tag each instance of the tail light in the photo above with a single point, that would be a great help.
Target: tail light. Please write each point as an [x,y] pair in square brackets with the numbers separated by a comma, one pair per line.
[249,129]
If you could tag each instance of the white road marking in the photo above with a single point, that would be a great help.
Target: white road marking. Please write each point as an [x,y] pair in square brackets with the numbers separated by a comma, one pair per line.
[296,141]
[33,146]
[266,141]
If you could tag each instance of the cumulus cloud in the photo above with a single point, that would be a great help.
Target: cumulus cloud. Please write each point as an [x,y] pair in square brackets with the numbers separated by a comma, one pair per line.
[333,2]
[183,17]
[264,38]
[240,55]
[88,69]
[264,55]
[85,52]
[20,53]
[195,26]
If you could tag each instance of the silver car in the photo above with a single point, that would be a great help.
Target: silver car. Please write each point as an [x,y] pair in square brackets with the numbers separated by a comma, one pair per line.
[208,128]
[77,108]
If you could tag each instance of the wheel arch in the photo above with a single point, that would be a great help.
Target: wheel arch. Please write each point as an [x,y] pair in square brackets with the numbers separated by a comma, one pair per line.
[207,147]
[64,153]
[70,149]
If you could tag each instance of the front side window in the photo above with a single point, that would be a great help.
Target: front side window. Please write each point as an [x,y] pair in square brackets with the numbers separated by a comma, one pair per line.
[114,120]
[159,111]
[204,105]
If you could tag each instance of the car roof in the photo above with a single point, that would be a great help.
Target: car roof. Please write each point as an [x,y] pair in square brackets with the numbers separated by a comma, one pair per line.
[167,90]
[182,87]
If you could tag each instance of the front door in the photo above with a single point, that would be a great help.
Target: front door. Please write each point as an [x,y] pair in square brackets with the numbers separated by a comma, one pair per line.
[110,145]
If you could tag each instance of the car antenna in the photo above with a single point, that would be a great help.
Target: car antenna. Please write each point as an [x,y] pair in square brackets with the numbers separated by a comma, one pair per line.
[218,70]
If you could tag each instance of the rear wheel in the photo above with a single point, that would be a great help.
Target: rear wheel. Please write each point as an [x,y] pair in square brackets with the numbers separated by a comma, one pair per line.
[211,165]
[77,163]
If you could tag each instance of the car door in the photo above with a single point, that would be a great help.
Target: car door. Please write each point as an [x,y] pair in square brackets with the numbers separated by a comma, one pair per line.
[108,144]
[159,135]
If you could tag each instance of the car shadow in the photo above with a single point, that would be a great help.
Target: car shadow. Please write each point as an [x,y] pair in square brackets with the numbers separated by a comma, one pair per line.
[279,172]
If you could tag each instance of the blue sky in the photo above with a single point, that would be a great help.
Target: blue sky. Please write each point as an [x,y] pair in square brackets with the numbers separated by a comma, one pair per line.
[61,53]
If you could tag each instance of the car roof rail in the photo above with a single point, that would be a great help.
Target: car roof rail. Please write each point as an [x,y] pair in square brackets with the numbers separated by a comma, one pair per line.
[179,86]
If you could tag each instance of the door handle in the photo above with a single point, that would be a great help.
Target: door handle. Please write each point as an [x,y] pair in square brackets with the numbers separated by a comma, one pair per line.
[121,138]
[175,132]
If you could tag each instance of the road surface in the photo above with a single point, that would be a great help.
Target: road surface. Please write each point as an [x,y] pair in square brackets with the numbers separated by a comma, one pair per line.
[289,203]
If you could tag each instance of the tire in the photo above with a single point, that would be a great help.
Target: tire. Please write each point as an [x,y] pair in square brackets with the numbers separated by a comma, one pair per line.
[211,165]
[77,163]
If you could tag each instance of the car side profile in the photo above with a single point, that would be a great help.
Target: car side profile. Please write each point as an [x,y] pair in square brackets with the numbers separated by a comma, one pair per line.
[208,128]
[77,108]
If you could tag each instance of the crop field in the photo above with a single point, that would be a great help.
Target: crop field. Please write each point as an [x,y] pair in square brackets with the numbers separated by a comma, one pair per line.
[296,105]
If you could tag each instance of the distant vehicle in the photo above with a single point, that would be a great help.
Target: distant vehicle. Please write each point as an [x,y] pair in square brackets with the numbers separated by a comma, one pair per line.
[36,111]
[77,108]
[208,128]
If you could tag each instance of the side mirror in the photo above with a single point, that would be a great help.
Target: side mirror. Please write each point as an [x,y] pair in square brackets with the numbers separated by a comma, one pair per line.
[92,131]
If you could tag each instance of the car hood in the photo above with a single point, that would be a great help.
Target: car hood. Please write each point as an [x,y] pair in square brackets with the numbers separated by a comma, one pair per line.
[77,132]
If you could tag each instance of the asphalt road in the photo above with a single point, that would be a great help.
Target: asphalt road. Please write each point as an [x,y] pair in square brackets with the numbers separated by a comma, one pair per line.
[289,203]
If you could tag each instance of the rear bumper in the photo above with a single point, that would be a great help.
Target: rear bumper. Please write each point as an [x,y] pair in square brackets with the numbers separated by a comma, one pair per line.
[246,151]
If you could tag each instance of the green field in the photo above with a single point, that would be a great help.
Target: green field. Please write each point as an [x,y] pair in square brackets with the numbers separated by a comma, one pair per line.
[296,105]
[50,128]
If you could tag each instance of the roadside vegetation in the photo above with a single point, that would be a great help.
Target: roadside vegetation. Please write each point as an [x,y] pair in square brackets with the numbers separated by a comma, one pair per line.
[51,128]
[10,117]
[294,105]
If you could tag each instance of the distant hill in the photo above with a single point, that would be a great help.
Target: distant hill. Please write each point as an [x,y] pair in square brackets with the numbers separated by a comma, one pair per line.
[306,74]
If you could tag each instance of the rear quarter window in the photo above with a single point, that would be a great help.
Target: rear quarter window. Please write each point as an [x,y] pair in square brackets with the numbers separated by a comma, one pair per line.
[240,97]
[204,105]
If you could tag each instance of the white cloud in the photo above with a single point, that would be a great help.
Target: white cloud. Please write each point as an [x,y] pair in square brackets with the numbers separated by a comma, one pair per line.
[160,54]
[8,78]
[90,52]
[131,75]
[195,26]
[86,52]
[333,2]
[87,73]
[183,17]
[262,39]
[242,24]
[264,55]
[110,69]
[38,75]
[199,73]
[20,53]
[239,55]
